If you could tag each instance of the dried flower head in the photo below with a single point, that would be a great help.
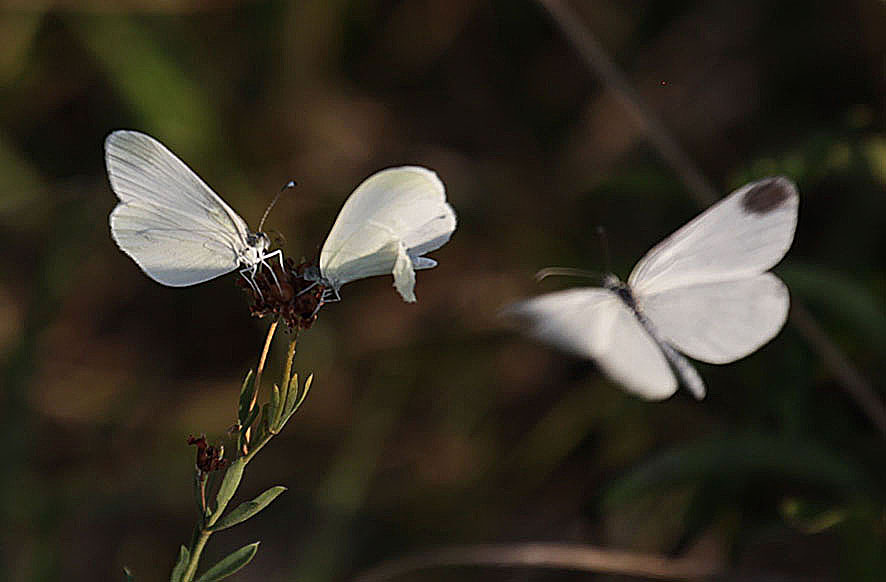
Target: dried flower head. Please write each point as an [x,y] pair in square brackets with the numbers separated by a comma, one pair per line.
[291,297]
[209,457]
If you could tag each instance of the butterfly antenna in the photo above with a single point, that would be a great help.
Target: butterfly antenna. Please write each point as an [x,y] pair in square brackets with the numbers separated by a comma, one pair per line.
[567,272]
[289,184]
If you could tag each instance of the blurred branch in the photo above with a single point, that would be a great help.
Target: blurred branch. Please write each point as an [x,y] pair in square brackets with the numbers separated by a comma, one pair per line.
[834,359]
[599,63]
[547,555]
[607,71]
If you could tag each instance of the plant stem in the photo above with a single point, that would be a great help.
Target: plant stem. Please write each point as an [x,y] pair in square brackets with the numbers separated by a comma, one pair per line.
[194,559]
[290,355]
[257,385]
[248,452]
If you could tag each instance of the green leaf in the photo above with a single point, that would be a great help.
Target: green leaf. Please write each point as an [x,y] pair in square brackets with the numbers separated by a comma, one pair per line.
[249,420]
[245,399]
[274,409]
[229,485]
[291,394]
[295,403]
[261,427]
[810,517]
[230,564]
[247,509]
[184,556]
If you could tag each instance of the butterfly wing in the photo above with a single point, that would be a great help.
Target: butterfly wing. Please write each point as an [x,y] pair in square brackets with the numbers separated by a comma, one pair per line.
[743,235]
[720,322]
[168,220]
[595,323]
[387,223]
[705,288]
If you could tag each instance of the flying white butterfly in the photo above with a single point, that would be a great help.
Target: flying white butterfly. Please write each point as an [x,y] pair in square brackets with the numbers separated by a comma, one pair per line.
[170,222]
[385,226]
[704,291]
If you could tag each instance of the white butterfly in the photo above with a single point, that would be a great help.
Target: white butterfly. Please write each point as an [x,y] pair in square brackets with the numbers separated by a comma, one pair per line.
[170,222]
[704,291]
[385,226]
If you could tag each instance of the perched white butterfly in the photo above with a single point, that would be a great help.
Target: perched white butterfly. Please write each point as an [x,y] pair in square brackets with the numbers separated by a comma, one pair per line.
[170,222]
[704,291]
[385,226]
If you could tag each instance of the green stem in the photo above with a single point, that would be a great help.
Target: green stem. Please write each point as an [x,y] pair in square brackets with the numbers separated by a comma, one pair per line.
[257,385]
[204,532]
[191,570]
[290,355]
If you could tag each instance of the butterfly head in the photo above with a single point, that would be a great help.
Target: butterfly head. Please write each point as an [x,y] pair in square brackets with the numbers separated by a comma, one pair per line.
[312,273]
[257,244]
[617,286]
[612,282]
[258,241]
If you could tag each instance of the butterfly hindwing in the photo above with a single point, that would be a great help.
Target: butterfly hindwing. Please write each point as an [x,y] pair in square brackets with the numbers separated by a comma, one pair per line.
[594,323]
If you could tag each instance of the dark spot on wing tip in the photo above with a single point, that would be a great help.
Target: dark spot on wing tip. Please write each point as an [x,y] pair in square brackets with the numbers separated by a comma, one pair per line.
[767,195]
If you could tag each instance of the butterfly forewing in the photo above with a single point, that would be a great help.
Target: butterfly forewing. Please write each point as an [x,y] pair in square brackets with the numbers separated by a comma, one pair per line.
[743,235]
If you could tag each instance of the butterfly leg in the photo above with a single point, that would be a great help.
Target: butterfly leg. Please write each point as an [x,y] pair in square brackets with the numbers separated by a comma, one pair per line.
[330,295]
[279,254]
[308,288]
[251,280]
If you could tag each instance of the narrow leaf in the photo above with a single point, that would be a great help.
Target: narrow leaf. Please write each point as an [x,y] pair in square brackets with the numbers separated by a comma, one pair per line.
[249,420]
[261,427]
[248,509]
[291,394]
[184,556]
[298,402]
[127,575]
[230,564]
[304,394]
[229,485]
[274,408]
[245,398]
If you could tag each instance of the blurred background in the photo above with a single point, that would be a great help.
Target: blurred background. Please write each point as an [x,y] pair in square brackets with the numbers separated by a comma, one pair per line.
[435,424]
